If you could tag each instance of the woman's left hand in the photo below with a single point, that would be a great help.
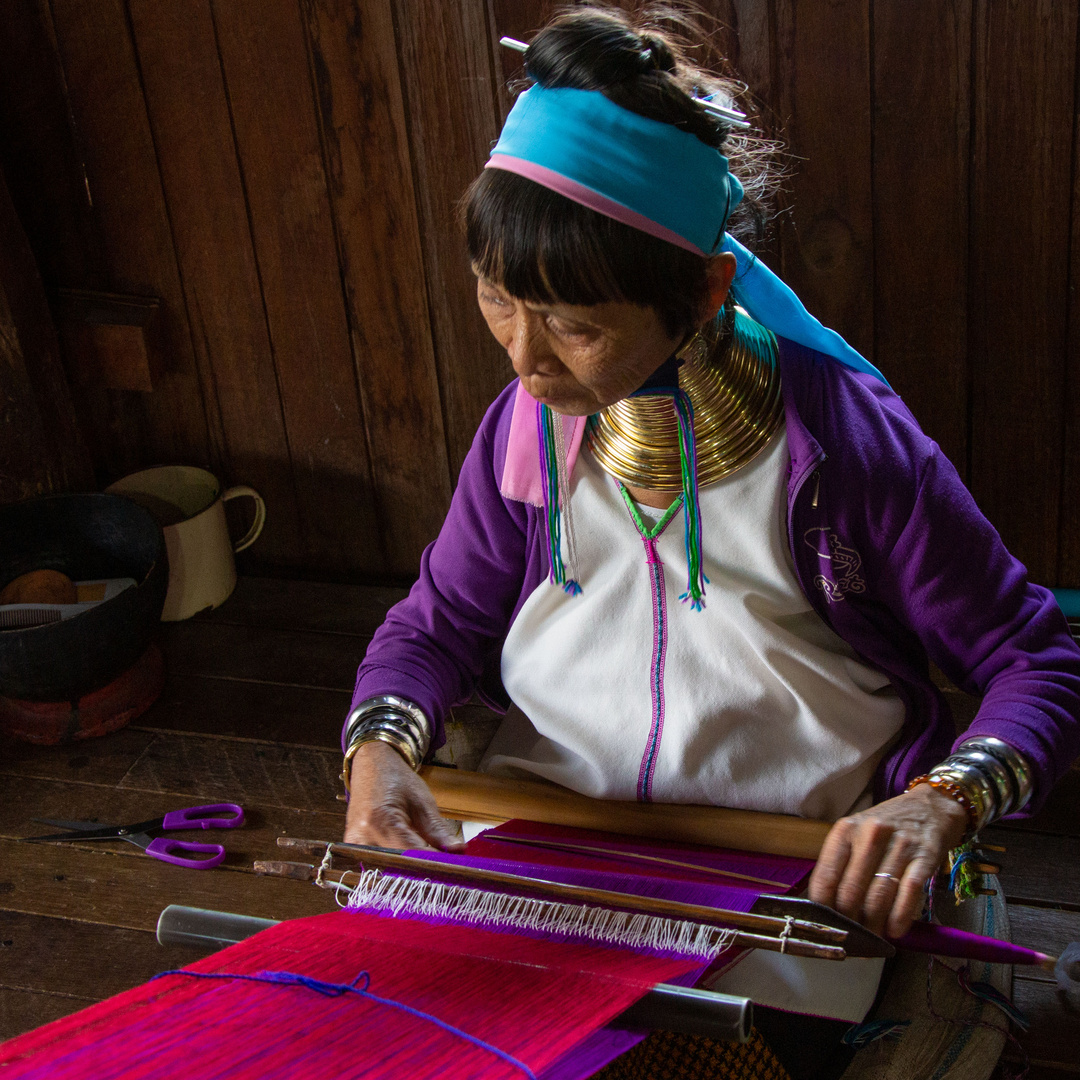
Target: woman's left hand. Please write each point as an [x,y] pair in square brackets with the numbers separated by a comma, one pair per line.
[874,865]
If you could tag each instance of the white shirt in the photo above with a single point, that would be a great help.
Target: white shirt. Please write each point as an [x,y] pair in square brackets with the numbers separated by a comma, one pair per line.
[623,692]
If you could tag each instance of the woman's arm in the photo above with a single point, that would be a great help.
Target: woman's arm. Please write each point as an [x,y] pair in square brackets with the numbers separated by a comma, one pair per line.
[434,645]
[993,633]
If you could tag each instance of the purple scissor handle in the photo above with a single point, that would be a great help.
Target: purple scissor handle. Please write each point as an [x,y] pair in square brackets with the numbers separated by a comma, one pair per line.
[204,817]
[164,846]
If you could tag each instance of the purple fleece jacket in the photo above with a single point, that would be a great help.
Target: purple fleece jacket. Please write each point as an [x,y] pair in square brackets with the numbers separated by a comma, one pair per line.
[888,545]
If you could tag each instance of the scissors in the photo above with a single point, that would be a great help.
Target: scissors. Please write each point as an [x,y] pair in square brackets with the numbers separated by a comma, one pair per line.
[163,848]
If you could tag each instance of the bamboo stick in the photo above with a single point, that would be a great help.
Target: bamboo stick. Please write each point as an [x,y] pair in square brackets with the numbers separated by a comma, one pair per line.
[741,939]
[469,796]
[385,859]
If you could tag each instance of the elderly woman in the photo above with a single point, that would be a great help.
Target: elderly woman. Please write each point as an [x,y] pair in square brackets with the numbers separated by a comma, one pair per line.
[700,551]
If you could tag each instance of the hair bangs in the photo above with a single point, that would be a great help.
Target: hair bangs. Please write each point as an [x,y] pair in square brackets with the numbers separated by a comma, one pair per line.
[531,241]
[544,248]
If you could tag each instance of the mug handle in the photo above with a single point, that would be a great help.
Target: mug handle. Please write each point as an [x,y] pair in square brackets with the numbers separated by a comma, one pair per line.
[260,514]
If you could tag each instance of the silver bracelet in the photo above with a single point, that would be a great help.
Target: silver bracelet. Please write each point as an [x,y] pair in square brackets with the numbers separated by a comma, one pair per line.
[396,721]
[1003,792]
[1011,760]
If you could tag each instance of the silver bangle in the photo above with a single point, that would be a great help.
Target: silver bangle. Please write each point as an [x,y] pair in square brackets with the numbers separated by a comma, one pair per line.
[1012,760]
[1000,778]
[393,720]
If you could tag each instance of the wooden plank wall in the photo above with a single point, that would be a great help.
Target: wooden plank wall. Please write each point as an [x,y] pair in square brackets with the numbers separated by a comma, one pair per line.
[286,184]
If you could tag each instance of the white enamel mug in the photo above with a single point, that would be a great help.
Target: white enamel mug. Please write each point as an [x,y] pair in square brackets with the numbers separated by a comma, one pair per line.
[190,507]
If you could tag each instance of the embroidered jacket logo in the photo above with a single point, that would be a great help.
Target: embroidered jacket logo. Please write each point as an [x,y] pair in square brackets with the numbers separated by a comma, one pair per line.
[843,562]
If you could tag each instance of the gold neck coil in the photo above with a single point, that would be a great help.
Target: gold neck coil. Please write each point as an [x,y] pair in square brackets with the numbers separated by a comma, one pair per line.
[732,378]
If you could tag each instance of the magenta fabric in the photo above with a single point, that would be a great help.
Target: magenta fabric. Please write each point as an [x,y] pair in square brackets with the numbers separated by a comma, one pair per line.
[893,554]
[538,1001]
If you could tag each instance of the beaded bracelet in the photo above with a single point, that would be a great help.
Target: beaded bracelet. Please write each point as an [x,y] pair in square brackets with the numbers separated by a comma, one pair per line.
[959,792]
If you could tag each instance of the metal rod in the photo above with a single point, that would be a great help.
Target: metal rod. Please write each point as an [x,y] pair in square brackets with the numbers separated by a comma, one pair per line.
[670,1008]
[179,925]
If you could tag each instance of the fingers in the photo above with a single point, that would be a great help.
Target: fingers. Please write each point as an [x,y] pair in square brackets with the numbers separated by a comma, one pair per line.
[383,826]
[874,865]
[853,851]
[831,863]
[870,876]
[391,806]
[436,830]
[910,896]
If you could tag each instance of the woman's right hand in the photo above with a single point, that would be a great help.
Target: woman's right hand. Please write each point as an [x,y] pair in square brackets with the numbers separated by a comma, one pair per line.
[390,806]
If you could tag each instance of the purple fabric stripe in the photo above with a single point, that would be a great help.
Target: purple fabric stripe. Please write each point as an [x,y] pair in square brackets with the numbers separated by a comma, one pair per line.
[586,196]
[774,868]
[731,897]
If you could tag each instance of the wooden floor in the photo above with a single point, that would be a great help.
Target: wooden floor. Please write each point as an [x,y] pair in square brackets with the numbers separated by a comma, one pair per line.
[252,712]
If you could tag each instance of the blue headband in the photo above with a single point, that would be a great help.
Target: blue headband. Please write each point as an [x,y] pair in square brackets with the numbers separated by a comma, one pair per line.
[658,179]
[648,174]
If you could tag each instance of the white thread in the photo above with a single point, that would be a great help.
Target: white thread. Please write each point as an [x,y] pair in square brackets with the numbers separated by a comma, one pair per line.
[435,899]
[786,932]
[327,859]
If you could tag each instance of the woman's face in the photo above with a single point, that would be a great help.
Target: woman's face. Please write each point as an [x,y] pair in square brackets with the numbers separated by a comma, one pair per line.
[577,360]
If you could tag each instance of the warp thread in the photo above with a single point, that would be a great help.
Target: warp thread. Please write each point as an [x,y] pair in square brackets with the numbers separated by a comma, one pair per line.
[860,1035]
[329,989]
[423,898]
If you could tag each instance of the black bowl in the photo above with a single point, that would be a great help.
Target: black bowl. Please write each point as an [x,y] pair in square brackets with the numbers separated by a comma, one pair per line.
[85,537]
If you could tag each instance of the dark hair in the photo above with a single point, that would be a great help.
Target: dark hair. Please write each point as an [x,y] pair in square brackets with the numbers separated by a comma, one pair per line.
[541,246]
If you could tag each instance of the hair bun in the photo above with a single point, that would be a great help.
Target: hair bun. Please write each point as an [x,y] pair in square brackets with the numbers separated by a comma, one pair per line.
[656,54]
[595,49]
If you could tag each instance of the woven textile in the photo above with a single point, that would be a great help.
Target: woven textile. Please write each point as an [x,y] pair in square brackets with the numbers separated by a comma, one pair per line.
[668,1056]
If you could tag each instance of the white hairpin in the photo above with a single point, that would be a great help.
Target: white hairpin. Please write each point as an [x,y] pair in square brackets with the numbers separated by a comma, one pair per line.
[722,112]
[732,116]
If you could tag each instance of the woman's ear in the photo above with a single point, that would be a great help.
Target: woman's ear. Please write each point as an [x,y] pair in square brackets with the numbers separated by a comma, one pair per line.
[721,272]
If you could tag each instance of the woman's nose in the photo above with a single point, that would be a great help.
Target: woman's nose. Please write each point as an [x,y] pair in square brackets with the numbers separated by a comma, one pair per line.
[528,348]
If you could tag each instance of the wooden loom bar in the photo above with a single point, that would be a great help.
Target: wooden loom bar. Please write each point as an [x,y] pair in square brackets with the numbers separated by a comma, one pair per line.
[470,796]
[740,939]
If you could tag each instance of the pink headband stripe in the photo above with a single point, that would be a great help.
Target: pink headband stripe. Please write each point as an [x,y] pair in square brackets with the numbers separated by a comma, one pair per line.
[586,196]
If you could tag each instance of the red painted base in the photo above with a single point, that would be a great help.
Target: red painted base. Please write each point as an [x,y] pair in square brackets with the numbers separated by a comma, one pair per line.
[97,713]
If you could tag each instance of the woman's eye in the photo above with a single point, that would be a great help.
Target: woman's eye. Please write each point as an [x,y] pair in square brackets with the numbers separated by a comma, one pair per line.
[494,300]
[568,330]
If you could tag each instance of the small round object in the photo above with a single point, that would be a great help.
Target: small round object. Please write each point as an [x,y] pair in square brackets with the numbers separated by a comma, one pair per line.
[40,587]
[891,877]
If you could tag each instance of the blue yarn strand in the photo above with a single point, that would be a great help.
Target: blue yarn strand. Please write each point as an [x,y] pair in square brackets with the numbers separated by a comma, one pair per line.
[329,989]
